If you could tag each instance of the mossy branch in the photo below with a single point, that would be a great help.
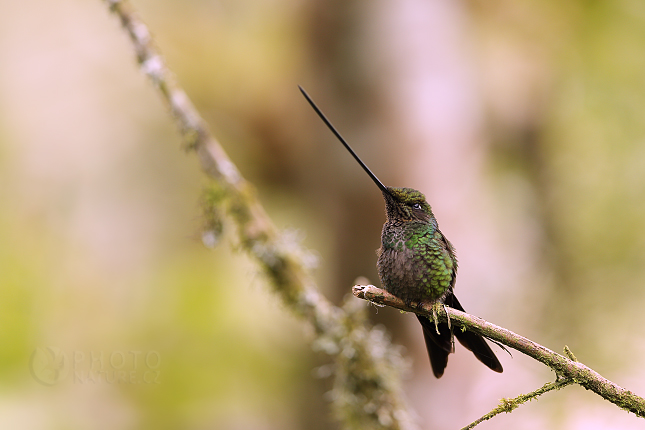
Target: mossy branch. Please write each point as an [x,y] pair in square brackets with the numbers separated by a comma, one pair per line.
[567,368]
[366,393]
[509,405]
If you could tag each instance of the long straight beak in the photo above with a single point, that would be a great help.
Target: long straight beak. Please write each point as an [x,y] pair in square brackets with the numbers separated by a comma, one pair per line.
[322,116]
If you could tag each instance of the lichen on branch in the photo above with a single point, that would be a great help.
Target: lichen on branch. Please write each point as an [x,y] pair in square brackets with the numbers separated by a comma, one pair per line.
[366,367]
[564,367]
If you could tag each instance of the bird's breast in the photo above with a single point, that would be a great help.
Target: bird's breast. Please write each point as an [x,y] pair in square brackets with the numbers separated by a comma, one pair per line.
[398,265]
[414,266]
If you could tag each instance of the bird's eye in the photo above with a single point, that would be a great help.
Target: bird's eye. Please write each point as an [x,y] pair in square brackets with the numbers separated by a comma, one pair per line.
[416,206]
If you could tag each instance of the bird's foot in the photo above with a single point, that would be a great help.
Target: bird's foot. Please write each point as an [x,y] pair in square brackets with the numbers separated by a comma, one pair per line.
[417,306]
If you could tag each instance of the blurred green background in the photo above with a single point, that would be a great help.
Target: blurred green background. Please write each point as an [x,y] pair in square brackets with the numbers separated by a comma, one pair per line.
[521,121]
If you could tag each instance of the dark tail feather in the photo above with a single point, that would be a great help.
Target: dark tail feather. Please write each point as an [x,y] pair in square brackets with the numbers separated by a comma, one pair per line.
[440,345]
[474,342]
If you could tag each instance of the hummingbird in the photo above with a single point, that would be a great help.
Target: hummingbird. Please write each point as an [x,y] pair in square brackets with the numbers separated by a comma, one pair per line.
[418,264]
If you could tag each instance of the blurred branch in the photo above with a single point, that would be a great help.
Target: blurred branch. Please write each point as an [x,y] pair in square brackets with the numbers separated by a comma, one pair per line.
[366,392]
[567,368]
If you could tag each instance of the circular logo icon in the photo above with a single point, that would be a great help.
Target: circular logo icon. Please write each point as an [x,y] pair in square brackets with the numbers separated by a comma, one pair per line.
[48,365]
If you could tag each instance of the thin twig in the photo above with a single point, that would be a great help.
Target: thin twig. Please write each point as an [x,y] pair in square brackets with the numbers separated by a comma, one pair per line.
[508,405]
[565,367]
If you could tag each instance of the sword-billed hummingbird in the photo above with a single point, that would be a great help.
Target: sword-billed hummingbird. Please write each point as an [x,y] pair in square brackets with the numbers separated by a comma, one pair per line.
[418,264]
